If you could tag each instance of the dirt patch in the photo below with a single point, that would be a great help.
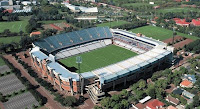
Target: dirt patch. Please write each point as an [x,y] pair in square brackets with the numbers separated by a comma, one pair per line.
[171,39]
[57,26]
[182,43]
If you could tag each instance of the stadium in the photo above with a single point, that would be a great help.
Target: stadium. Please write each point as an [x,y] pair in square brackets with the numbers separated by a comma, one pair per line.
[110,57]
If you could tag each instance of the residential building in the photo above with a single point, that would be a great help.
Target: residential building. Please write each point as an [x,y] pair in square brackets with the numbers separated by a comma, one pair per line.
[186,83]
[187,95]
[171,107]
[181,22]
[190,78]
[154,104]
[172,100]
[178,91]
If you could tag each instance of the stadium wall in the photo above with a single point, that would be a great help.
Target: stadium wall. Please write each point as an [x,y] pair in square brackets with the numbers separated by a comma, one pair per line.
[41,66]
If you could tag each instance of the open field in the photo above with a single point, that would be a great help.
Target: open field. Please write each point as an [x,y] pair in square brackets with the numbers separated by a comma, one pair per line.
[6,40]
[138,4]
[115,23]
[15,26]
[159,33]
[99,58]
[177,10]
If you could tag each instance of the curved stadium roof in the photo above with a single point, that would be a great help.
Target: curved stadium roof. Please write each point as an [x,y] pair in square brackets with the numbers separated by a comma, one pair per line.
[60,41]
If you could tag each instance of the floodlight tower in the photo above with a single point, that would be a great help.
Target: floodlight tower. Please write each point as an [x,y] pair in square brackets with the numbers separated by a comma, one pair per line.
[110,19]
[79,61]
[174,33]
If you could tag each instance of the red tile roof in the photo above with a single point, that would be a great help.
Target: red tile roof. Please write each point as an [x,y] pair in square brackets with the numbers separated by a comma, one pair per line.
[56,27]
[171,107]
[140,106]
[8,10]
[181,21]
[153,104]
[185,83]
[196,22]
[35,33]
[67,25]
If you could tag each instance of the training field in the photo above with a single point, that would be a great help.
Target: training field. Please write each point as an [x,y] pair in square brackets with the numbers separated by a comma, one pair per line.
[6,40]
[99,58]
[159,33]
[185,9]
[114,23]
[14,26]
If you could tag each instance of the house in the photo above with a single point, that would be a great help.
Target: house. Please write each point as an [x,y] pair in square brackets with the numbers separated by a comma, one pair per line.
[141,104]
[172,100]
[171,107]
[187,95]
[186,83]
[178,91]
[8,10]
[154,104]
[35,33]
[190,78]
[181,22]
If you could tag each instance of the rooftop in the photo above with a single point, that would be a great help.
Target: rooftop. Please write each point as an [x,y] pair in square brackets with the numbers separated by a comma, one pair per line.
[185,83]
[154,104]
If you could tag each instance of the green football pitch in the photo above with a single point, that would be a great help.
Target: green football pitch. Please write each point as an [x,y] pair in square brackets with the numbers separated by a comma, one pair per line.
[99,58]
[159,33]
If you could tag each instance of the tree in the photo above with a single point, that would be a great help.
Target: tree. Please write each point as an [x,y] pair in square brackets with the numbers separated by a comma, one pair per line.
[106,102]
[142,84]
[124,103]
[70,101]
[124,93]
[115,97]
[196,101]
[97,107]
[117,106]
[151,92]
[183,101]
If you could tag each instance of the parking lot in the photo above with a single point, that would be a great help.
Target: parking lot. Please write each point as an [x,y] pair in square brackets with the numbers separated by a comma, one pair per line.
[22,101]
[4,69]
[9,84]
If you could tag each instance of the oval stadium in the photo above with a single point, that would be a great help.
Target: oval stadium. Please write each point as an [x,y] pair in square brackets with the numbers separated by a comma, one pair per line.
[108,58]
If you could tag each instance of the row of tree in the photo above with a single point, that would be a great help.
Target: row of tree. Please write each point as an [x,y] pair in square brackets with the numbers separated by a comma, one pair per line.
[41,99]
[193,46]
[132,25]
[65,101]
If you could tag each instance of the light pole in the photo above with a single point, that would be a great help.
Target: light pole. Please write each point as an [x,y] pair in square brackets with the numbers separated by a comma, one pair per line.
[174,33]
[79,61]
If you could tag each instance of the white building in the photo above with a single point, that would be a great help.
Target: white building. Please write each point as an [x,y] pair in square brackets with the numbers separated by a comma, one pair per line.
[81,8]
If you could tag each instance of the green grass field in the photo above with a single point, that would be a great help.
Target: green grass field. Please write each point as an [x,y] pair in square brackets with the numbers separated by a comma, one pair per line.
[138,4]
[115,23]
[99,58]
[177,10]
[6,40]
[15,26]
[1,62]
[159,33]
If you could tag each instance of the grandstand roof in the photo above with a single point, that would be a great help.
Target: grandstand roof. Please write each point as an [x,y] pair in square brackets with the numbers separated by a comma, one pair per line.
[35,51]
[56,42]
[65,74]
[128,66]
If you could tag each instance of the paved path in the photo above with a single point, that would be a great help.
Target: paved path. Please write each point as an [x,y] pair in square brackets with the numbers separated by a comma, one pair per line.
[51,104]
